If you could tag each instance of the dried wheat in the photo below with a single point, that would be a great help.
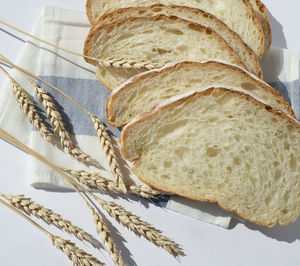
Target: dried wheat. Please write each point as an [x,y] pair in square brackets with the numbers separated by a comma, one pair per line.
[58,124]
[106,238]
[28,206]
[139,227]
[108,149]
[96,180]
[75,254]
[30,111]
[126,64]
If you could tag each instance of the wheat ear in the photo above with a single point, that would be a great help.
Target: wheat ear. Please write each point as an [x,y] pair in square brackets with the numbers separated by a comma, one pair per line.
[127,219]
[126,64]
[139,227]
[28,206]
[103,230]
[75,254]
[58,124]
[96,180]
[109,151]
[29,109]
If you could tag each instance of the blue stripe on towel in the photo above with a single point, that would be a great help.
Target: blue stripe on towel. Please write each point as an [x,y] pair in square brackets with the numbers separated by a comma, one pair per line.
[91,94]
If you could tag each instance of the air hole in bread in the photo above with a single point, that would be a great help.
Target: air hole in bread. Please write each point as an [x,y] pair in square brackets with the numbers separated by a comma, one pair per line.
[208,31]
[278,174]
[167,164]
[182,48]
[237,161]
[268,200]
[293,163]
[181,151]
[213,151]
[274,120]
[237,137]
[147,32]
[248,86]
[125,36]
[157,9]
[286,145]
[195,27]
[165,177]
[174,31]
[141,12]
[229,169]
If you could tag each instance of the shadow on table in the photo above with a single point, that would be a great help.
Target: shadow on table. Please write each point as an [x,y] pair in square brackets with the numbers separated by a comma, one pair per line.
[289,233]
[278,38]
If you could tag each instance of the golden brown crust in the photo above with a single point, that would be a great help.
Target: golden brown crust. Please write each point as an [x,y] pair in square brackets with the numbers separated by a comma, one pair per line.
[259,26]
[88,9]
[115,15]
[178,102]
[179,65]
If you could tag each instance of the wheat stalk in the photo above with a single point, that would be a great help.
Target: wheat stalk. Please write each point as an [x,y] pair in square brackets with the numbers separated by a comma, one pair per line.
[75,254]
[108,149]
[127,219]
[106,238]
[29,109]
[28,206]
[96,180]
[139,227]
[58,124]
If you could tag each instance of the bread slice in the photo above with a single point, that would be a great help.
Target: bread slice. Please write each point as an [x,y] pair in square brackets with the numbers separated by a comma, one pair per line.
[221,145]
[263,16]
[141,93]
[237,14]
[197,16]
[160,39]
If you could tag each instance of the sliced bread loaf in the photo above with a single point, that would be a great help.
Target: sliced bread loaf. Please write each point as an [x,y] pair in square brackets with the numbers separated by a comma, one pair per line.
[263,16]
[221,145]
[197,16]
[141,93]
[237,14]
[160,39]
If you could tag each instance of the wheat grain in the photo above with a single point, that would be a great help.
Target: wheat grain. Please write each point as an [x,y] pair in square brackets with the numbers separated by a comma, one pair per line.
[75,254]
[139,227]
[108,149]
[126,64]
[96,180]
[59,126]
[30,111]
[103,230]
[28,206]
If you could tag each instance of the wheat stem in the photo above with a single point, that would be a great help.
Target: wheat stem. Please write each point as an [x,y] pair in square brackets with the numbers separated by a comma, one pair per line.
[75,254]
[28,206]
[58,125]
[109,62]
[127,219]
[29,109]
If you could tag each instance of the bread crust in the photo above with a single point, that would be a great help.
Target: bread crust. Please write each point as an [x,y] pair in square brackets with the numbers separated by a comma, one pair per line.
[115,15]
[156,111]
[265,24]
[179,65]
[88,10]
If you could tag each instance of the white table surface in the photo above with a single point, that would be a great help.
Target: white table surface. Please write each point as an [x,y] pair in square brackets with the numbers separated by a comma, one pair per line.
[204,244]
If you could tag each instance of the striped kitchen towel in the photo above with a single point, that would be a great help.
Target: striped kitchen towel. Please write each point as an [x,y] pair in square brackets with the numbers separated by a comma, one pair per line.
[74,76]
